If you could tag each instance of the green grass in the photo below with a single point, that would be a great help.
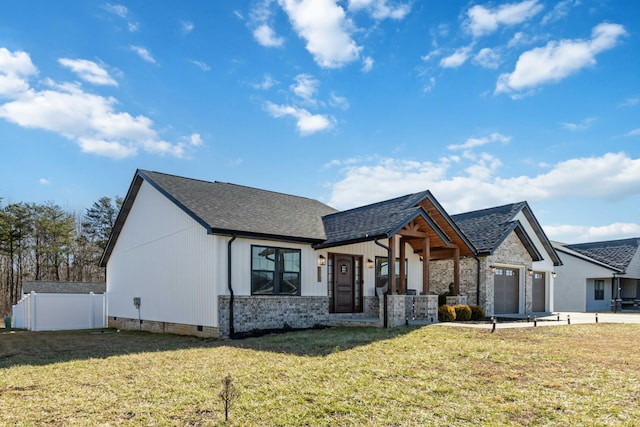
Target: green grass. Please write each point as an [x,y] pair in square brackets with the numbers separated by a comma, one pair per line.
[553,376]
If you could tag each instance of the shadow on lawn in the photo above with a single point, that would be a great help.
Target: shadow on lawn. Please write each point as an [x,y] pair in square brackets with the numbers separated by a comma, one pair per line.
[42,348]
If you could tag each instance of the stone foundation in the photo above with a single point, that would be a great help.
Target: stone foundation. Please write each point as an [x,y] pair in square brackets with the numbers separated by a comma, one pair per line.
[153,326]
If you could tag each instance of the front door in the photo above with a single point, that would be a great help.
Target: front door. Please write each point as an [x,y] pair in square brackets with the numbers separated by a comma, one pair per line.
[343,284]
[538,292]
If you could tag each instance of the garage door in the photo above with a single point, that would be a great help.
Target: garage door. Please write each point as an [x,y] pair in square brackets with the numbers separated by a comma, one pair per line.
[538,291]
[506,290]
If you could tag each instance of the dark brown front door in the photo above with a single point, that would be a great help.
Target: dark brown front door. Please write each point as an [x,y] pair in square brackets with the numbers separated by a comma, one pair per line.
[343,279]
[537,292]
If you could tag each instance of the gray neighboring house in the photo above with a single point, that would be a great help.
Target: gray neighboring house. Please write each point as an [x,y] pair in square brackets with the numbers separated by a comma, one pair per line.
[596,273]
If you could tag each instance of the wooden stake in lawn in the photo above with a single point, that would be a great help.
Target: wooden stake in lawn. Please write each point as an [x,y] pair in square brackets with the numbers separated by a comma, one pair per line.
[228,395]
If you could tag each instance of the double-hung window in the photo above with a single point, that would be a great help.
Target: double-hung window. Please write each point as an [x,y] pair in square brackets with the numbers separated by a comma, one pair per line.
[275,271]
[598,287]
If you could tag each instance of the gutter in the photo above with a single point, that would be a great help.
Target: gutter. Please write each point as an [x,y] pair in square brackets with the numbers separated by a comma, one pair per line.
[231,328]
[385,306]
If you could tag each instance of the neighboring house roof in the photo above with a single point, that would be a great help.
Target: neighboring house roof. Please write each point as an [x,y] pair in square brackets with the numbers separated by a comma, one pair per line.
[488,228]
[46,287]
[615,253]
[563,248]
[384,219]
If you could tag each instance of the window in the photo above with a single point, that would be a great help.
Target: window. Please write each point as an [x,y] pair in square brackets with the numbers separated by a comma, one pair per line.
[382,272]
[275,271]
[598,287]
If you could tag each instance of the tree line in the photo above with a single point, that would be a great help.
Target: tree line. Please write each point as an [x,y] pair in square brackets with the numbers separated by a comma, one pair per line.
[44,242]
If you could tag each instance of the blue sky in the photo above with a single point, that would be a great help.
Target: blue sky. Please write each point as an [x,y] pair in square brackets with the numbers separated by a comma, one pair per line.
[348,102]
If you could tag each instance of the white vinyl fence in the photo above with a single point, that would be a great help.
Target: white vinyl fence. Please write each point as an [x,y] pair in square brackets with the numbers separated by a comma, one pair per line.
[50,312]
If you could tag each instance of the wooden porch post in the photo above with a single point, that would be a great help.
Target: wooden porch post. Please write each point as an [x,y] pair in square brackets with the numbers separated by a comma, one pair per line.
[426,255]
[392,265]
[456,271]
[403,273]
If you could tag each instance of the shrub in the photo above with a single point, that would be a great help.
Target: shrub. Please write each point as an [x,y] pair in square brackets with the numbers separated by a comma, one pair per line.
[463,312]
[446,313]
[477,313]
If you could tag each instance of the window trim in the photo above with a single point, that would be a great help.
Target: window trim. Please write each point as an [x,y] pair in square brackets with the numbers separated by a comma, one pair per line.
[278,271]
[598,291]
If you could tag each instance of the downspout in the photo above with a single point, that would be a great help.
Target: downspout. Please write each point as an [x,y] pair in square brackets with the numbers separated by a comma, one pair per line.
[388,284]
[231,329]
[477,281]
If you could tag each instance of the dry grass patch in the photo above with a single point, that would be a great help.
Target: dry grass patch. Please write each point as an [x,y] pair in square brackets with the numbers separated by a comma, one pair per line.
[563,375]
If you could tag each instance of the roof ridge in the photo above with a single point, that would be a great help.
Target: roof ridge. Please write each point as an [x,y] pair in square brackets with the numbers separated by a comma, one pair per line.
[382,202]
[523,203]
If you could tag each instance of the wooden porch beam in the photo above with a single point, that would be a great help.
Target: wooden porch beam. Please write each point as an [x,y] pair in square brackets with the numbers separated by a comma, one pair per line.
[403,272]
[456,271]
[426,256]
[392,265]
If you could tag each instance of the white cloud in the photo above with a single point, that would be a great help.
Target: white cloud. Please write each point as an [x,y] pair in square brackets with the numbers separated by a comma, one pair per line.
[428,87]
[558,60]
[15,69]
[583,125]
[482,20]
[630,102]
[267,83]
[367,64]
[117,9]
[612,176]
[89,120]
[186,27]
[457,58]
[326,30]
[44,181]
[559,11]
[265,35]
[582,234]
[635,132]
[338,101]
[306,122]
[201,64]
[305,87]
[478,142]
[88,71]
[143,53]
[380,10]
[488,58]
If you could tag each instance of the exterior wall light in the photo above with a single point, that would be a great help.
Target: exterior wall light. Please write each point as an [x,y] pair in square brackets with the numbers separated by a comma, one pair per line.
[529,272]
[492,269]
[554,274]
[322,260]
[369,263]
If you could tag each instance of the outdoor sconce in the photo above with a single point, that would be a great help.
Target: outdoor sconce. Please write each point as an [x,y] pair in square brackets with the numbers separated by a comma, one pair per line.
[554,274]
[369,263]
[529,272]
[492,269]
[322,260]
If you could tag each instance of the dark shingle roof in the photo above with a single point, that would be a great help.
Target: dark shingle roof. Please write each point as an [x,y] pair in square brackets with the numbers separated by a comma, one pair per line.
[616,253]
[371,221]
[224,207]
[487,228]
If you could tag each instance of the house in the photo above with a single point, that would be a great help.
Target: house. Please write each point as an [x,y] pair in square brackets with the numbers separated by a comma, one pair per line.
[593,274]
[212,258]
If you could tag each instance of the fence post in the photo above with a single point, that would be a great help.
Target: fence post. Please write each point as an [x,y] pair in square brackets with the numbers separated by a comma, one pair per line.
[92,310]
[33,326]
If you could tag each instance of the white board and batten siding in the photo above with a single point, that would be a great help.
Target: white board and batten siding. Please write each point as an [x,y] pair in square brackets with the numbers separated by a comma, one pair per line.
[165,258]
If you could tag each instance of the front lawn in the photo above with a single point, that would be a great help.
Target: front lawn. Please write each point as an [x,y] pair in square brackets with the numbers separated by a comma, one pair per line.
[434,375]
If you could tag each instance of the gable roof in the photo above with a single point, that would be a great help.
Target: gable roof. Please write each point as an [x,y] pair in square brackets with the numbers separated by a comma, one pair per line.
[615,253]
[488,228]
[231,209]
[385,219]
[563,248]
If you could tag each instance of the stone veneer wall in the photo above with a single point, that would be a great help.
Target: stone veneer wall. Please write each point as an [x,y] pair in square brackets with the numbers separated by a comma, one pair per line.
[128,324]
[441,275]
